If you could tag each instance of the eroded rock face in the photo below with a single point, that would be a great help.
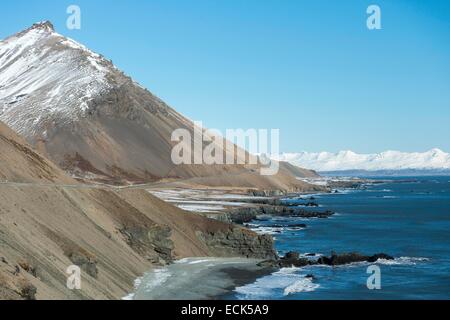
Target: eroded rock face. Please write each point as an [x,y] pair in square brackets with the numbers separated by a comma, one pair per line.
[267,193]
[247,214]
[239,242]
[28,292]
[153,243]
[159,236]
[243,215]
[86,263]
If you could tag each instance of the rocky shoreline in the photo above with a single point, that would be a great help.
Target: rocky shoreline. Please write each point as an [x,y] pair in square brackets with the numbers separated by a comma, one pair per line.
[265,208]
[247,214]
[264,205]
[293,259]
[279,203]
[240,239]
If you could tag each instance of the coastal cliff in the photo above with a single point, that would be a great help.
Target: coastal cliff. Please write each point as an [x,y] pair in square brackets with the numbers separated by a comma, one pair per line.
[75,131]
[49,221]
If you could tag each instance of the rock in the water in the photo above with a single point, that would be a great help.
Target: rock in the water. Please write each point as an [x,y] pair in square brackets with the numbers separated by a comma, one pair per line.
[268,264]
[346,258]
[246,214]
[377,256]
[292,255]
[311,276]
[311,204]
[292,259]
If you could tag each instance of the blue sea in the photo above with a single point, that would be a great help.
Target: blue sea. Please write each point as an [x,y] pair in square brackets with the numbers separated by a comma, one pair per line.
[406,217]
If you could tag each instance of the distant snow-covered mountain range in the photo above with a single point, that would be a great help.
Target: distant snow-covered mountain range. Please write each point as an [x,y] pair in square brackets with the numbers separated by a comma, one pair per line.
[433,160]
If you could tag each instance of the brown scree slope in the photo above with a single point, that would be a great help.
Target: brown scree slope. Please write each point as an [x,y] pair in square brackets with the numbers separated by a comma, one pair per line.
[114,236]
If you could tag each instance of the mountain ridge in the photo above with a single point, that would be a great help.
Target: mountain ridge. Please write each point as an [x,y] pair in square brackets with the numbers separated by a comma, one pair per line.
[433,159]
[89,118]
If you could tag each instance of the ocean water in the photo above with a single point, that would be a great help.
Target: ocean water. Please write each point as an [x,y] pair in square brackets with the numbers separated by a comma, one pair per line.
[407,217]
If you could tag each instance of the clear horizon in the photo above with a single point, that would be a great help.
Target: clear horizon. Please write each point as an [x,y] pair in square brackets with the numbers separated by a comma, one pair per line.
[310,68]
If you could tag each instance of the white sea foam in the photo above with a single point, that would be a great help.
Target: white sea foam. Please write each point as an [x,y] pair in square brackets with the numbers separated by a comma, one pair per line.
[267,230]
[199,261]
[397,261]
[281,283]
[128,297]
[201,208]
[343,191]
[156,278]
[274,230]
[290,270]
[137,283]
[378,190]
[302,285]
[402,261]
[194,260]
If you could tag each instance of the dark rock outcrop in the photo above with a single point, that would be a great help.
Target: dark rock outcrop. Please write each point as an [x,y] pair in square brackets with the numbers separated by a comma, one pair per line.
[243,215]
[28,267]
[85,262]
[377,256]
[311,276]
[247,214]
[293,259]
[346,258]
[159,236]
[154,243]
[267,193]
[239,242]
[28,292]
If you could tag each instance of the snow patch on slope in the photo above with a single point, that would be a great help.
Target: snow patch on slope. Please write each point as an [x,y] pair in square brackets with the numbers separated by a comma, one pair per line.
[349,160]
[43,75]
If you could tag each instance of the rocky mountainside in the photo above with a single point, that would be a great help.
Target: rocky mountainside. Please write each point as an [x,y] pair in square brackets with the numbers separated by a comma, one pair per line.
[78,109]
[49,221]
[92,120]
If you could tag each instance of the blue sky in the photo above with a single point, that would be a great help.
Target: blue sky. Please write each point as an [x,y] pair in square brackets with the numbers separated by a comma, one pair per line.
[310,68]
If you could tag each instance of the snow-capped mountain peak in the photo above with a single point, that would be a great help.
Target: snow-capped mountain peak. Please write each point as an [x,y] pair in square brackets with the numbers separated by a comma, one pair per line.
[81,111]
[387,160]
[44,75]
[44,25]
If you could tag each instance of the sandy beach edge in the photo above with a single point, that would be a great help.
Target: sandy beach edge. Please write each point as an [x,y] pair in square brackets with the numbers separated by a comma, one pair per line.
[198,279]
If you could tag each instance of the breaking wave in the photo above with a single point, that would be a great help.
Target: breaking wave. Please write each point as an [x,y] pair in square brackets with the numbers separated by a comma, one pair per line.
[302,285]
[402,261]
[284,282]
